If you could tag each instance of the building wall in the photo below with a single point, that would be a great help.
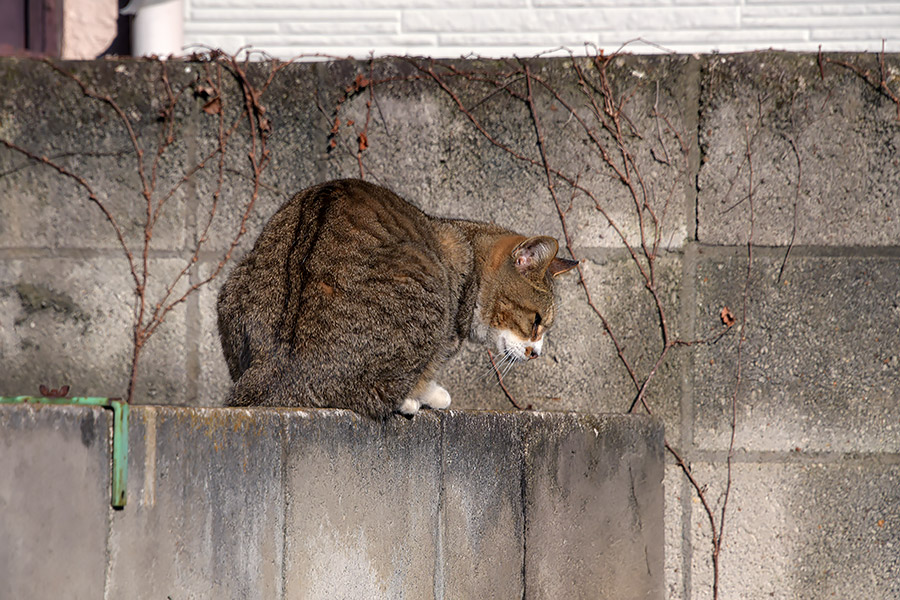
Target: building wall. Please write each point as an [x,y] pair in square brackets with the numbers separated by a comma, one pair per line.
[498,28]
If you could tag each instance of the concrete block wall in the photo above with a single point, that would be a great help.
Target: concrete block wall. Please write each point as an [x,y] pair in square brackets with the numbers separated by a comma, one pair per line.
[808,141]
[229,503]
[526,27]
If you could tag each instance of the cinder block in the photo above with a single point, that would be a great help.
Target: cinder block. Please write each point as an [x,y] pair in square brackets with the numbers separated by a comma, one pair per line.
[261,503]
[362,506]
[48,114]
[801,531]
[68,321]
[296,140]
[205,512]
[406,129]
[594,507]
[213,379]
[821,144]
[482,518]
[54,501]
[423,146]
[820,362]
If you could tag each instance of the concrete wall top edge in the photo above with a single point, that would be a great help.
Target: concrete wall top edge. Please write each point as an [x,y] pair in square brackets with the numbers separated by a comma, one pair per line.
[426,414]
[588,419]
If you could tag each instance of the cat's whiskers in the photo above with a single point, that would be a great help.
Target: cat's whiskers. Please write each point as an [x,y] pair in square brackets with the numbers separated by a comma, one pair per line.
[502,366]
[511,362]
[492,370]
[495,366]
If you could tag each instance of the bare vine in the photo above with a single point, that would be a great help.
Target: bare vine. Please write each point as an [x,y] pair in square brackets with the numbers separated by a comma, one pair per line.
[877,81]
[149,313]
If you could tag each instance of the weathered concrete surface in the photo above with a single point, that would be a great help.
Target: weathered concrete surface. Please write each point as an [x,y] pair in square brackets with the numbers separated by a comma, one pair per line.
[205,512]
[284,503]
[571,479]
[427,149]
[361,507]
[58,313]
[54,499]
[45,112]
[802,389]
[804,530]
[481,527]
[677,548]
[823,150]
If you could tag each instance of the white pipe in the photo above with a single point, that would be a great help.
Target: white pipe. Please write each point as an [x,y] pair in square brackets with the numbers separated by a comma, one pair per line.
[157,28]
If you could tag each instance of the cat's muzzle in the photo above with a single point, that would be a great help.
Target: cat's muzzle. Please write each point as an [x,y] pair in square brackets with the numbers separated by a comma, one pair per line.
[519,349]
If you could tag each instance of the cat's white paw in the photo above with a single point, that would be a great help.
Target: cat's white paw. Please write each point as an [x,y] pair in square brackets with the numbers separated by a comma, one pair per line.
[436,396]
[409,407]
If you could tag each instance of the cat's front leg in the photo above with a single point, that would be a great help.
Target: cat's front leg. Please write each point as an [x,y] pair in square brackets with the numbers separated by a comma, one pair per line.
[433,395]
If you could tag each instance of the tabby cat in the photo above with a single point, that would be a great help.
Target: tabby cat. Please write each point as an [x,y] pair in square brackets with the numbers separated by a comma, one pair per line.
[352,298]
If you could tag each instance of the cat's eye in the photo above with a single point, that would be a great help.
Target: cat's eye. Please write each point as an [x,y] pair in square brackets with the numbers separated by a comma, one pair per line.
[535,325]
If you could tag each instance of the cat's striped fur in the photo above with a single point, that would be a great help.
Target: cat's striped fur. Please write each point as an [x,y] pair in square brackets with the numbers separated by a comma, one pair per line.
[352,298]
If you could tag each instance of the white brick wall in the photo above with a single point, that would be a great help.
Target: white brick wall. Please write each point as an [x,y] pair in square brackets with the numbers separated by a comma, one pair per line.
[493,28]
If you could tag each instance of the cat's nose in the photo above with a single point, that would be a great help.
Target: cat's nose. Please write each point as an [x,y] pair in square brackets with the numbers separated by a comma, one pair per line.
[531,352]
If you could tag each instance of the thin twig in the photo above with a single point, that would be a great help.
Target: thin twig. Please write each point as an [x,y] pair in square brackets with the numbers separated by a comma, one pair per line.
[796,201]
[880,84]
[92,196]
[509,396]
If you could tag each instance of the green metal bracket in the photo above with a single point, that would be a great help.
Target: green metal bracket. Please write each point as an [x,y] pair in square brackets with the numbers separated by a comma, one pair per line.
[120,434]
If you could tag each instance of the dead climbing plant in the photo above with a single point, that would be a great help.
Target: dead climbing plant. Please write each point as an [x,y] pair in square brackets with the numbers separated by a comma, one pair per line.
[880,78]
[224,129]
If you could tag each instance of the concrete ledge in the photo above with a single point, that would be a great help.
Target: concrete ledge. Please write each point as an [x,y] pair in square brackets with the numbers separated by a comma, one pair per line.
[234,503]
[54,500]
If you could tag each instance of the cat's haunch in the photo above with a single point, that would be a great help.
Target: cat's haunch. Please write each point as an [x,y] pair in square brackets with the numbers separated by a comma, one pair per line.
[352,298]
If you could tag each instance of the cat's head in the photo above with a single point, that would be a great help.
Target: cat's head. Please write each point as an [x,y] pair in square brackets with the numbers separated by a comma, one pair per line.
[516,305]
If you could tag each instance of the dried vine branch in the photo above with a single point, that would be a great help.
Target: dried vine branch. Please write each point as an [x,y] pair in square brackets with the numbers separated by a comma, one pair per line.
[509,396]
[877,82]
[148,315]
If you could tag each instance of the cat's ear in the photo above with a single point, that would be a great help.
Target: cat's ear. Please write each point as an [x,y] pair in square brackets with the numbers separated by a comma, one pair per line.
[558,266]
[533,256]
